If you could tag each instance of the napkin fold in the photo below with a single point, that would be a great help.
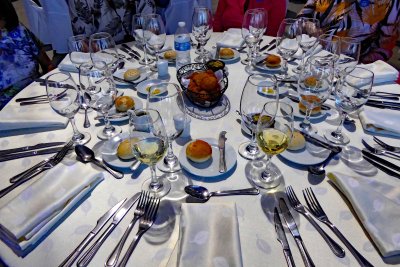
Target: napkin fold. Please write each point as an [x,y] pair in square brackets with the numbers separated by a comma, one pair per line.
[383,72]
[231,38]
[209,235]
[380,121]
[26,218]
[376,204]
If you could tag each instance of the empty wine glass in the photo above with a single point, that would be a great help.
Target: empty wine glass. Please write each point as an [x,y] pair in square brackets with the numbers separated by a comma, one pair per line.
[149,144]
[79,51]
[258,90]
[330,45]
[64,98]
[86,70]
[351,93]
[138,33]
[154,34]
[102,48]
[286,43]
[349,55]
[201,30]
[171,107]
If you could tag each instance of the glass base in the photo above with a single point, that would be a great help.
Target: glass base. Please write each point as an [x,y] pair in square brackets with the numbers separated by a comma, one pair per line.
[246,151]
[245,61]
[159,191]
[169,168]
[106,134]
[203,58]
[308,128]
[297,70]
[333,137]
[144,62]
[84,138]
[262,177]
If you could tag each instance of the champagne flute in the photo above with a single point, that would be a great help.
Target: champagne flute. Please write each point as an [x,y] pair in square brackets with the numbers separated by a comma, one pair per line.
[149,144]
[64,98]
[202,29]
[102,48]
[138,33]
[171,107]
[154,34]
[351,93]
[254,95]
[349,55]
[273,136]
[286,42]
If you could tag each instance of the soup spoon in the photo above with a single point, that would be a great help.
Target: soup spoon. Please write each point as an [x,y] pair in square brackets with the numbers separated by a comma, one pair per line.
[202,193]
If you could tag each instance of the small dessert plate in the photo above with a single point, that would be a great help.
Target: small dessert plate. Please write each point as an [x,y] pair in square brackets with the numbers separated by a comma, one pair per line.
[144,87]
[120,74]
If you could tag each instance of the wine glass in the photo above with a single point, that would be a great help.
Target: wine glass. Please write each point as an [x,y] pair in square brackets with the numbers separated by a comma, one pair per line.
[274,134]
[351,93]
[258,90]
[315,86]
[149,144]
[330,45]
[202,29]
[349,55]
[78,47]
[64,98]
[102,48]
[138,33]
[154,34]
[169,106]
[307,32]
[86,70]
[286,43]
[253,28]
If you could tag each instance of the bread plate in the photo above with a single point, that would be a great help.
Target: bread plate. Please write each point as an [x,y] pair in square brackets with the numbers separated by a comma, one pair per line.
[144,86]
[120,74]
[113,110]
[307,156]
[298,114]
[259,65]
[109,152]
[235,58]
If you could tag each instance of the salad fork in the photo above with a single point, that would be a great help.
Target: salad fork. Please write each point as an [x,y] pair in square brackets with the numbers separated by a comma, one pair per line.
[320,214]
[380,151]
[386,146]
[294,201]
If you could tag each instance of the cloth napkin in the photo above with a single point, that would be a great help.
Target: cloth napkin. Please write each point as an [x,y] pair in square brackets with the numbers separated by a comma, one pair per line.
[231,38]
[380,121]
[209,235]
[67,65]
[376,204]
[383,72]
[34,211]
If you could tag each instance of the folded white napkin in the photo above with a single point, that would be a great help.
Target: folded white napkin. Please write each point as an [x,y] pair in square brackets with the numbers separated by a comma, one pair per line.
[231,38]
[383,72]
[380,121]
[67,65]
[377,206]
[34,211]
[209,235]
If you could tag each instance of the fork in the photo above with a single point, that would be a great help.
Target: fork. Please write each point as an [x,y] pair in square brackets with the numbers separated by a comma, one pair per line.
[144,201]
[294,201]
[144,224]
[388,147]
[320,214]
[380,151]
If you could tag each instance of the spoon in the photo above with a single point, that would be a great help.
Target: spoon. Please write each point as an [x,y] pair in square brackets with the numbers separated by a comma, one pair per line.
[320,169]
[202,193]
[85,104]
[86,155]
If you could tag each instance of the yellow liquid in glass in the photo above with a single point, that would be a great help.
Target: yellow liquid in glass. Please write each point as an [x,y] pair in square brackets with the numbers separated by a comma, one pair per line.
[272,141]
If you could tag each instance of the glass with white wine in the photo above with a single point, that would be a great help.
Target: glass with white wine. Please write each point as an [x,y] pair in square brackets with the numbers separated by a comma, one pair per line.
[149,143]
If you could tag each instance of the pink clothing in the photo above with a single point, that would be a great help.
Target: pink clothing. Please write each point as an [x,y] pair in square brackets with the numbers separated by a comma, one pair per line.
[230,13]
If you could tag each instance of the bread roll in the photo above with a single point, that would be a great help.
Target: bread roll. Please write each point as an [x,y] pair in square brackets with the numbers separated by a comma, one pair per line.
[298,141]
[226,53]
[124,103]
[124,150]
[310,81]
[170,55]
[131,74]
[199,151]
[272,61]
[310,98]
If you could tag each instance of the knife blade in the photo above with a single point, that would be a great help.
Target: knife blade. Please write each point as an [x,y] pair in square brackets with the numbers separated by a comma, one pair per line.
[382,168]
[221,146]
[91,252]
[381,102]
[291,224]
[296,100]
[381,160]
[281,237]
[268,45]
[112,116]
[318,142]
[271,48]
[27,148]
[30,153]
[99,225]
[118,79]
[129,53]
[382,106]
[131,50]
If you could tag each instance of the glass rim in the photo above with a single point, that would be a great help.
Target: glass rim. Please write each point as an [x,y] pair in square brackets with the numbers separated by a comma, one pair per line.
[78,37]
[67,74]
[279,103]
[146,110]
[357,76]
[270,76]
[99,35]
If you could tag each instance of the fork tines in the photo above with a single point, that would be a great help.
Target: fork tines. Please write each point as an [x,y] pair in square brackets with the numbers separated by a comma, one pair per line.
[312,202]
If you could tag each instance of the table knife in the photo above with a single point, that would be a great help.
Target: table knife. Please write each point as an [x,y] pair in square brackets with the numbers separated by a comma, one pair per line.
[129,53]
[291,224]
[221,146]
[112,116]
[131,50]
[91,252]
[29,153]
[99,225]
[382,164]
[27,148]
[268,45]
[381,102]
[118,79]
[318,142]
[271,47]
[281,237]
[382,106]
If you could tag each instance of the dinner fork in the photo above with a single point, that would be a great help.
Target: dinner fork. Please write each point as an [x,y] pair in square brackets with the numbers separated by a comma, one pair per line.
[144,201]
[320,214]
[380,151]
[386,146]
[144,224]
[294,201]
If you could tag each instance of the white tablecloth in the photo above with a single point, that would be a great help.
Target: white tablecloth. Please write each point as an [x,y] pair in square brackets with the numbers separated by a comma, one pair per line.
[255,213]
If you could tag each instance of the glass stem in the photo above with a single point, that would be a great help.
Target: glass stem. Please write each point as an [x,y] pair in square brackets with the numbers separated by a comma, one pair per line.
[302,60]
[338,131]
[252,146]
[284,67]
[308,114]
[145,54]
[107,123]
[170,154]
[268,163]
[155,184]
[77,135]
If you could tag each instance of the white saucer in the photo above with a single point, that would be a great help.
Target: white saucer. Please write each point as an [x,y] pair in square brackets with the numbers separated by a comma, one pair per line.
[120,74]
[235,58]
[297,113]
[262,67]
[142,87]
[210,168]
[109,152]
[138,105]
[309,155]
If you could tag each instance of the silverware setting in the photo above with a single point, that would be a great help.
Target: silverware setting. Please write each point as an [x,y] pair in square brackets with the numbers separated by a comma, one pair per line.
[382,164]
[28,148]
[132,50]
[268,46]
[281,237]
[380,151]
[386,146]
[132,55]
[221,147]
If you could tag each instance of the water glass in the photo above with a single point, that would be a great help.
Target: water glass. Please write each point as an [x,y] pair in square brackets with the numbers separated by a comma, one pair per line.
[138,33]
[286,42]
[349,55]
[154,34]
[102,48]
[201,30]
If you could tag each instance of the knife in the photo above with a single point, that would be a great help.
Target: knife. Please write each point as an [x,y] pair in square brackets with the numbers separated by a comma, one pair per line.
[319,142]
[296,100]
[382,106]
[131,50]
[27,148]
[381,102]
[91,252]
[268,45]
[100,224]
[118,79]
[291,224]
[382,168]
[130,53]
[112,116]
[221,146]
[281,237]
[380,160]
[272,47]
[29,153]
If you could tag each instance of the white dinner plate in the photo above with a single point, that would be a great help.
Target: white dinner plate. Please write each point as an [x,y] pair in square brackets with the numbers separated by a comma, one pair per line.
[120,74]
[109,152]
[297,113]
[210,168]
[113,110]
[309,155]
[236,57]
[262,67]
[144,86]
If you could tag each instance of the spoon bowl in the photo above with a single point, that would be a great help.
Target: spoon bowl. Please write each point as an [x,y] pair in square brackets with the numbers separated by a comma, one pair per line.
[319,170]
[202,193]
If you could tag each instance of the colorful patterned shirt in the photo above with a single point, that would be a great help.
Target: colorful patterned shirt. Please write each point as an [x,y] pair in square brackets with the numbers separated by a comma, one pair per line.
[375,23]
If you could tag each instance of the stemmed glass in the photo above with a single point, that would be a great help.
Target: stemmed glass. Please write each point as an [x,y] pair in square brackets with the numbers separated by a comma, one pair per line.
[349,55]
[273,137]
[307,32]
[314,86]
[330,45]
[78,47]
[154,34]
[251,104]
[202,29]
[102,48]
[286,42]
[149,144]
[351,93]
[138,33]
[169,106]
[64,98]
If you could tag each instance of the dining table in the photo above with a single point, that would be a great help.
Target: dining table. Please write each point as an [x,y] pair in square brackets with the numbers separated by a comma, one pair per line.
[255,214]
